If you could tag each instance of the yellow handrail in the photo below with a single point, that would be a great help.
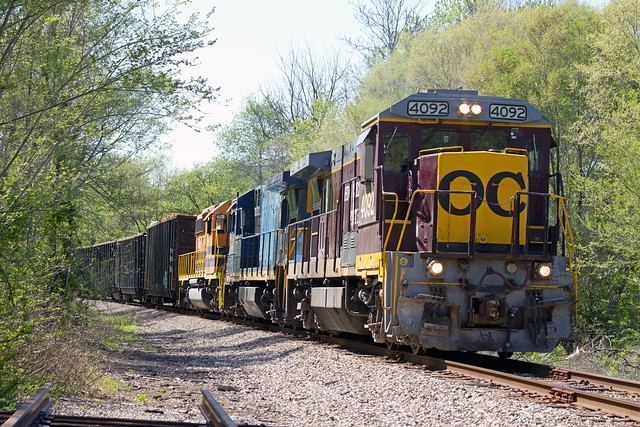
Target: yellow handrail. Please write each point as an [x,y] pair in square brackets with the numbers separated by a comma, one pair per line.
[566,231]
[571,258]
[191,265]
[393,219]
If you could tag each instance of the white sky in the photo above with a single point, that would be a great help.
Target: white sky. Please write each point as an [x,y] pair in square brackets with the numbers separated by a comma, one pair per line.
[249,34]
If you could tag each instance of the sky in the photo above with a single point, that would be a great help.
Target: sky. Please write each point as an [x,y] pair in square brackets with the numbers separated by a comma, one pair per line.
[249,34]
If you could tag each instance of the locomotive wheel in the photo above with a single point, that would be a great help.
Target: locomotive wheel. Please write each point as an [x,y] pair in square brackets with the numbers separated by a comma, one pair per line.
[505,354]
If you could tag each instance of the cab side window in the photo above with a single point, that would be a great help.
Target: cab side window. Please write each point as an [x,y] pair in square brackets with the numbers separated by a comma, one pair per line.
[396,153]
[534,150]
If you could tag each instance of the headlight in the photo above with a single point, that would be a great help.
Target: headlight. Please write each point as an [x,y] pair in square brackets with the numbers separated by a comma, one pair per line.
[543,271]
[436,268]
[465,109]
[512,268]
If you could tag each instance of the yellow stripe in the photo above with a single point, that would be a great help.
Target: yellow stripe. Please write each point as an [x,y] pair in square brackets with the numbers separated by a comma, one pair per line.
[345,164]
[434,283]
[457,122]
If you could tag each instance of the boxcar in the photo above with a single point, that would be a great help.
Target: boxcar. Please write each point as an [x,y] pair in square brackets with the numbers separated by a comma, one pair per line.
[130,267]
[166,240]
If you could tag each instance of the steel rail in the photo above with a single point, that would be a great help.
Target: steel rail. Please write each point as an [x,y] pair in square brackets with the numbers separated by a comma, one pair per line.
[213,412]
[558,393]
[564,374]
[544,388]
[31,409]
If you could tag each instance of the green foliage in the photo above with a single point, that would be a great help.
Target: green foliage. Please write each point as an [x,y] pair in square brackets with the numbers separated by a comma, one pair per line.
[580,66]
[254,141]
[205,185]
[324,129]
[86,86]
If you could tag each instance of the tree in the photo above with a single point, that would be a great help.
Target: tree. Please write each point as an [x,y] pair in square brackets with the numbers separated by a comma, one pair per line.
[283,122]
[85,84]
[384,22]
[608,130]
[255,140]
[206,185]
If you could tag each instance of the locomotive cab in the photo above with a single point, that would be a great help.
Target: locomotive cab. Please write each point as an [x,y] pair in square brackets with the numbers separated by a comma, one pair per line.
[201,272]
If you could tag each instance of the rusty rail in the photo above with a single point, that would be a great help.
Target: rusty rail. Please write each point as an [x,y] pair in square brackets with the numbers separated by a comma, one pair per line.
[31,409]
[564,394]
[34,412]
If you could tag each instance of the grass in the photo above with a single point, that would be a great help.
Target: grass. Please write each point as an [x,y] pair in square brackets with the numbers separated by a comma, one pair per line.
[599,358]
[125,332]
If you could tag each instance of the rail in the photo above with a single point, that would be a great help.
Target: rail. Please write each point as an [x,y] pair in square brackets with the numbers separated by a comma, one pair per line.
[35,407]
[498,375]
[263,257]
[305,229]
[35,412]
[191,265]
[434,243]
[213,412]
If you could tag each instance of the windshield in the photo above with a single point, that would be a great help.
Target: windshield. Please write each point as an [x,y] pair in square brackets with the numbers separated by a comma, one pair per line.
[472,140]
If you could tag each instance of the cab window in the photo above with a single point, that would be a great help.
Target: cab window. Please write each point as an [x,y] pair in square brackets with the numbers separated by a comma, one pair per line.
[490,139]
[396,153]
[534,150]
[438,138]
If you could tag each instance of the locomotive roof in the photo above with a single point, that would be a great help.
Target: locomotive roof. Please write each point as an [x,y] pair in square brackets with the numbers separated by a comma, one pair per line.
[442,106]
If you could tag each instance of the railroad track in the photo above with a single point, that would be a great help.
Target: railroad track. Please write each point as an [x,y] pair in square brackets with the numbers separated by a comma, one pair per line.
[565,386]
[36,412]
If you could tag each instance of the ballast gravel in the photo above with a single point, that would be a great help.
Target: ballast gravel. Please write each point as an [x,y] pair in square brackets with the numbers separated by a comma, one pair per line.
[273,379]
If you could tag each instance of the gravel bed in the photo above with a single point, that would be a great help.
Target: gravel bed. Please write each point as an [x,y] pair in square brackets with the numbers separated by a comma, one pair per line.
[260,377]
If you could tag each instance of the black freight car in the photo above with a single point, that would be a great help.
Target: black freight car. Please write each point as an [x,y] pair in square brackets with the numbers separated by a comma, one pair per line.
[130,264]
[97,267]
[166,240]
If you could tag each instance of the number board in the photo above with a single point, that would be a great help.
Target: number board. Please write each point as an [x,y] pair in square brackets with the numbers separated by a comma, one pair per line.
[428,108]
[508,112]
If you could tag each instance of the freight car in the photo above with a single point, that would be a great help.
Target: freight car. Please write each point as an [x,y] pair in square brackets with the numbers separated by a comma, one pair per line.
[434,228]
[130,256]
[98,267]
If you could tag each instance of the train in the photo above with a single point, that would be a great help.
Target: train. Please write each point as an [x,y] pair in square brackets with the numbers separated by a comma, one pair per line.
[441,225]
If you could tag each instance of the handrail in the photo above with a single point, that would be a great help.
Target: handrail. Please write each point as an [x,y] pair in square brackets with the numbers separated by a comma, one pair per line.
[277,231]
[191,264]
[302,225]
[453,148]
[393,219]
[566,230]
[571,259]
